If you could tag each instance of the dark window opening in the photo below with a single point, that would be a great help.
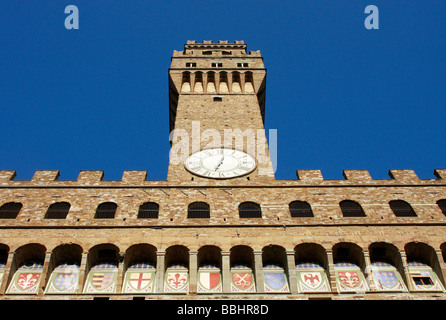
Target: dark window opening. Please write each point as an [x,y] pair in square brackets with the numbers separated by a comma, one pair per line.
[198,210]
[106,210]
[191,64]
[207,52]
[402,209]
[219,99]
[10,210]
[300,209]
[226,53]
[58,210]
[249,210]
[148,210]
[351,209]
[423,281]
[106,256]
[442,204]
[216,64]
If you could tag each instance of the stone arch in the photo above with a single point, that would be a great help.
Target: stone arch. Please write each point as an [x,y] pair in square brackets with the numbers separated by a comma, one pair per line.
[223,88]
[140,253]
[103,253]
[65,259]
[348,252]
[242,255]
[177,255]
[311,268]
[274,255]
[421,255]
[185,82]
[66,253]
[210,86]
[27,258]
[421,252]
[236,83]
[198,84]
[209,255]
[29,253]
[311,253]
[249,82]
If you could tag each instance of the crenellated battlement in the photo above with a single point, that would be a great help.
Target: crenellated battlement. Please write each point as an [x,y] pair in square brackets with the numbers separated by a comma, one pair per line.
[221,48]
[304,177]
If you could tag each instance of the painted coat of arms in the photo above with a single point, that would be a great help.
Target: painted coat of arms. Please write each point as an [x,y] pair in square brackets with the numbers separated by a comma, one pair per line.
[64,279]
[311,278]
[423,277]
[350,278]
[275,279]
[140,278]
[242,279]
[176,279]
[385,277]
[101,278]
[26,280]
[209,279]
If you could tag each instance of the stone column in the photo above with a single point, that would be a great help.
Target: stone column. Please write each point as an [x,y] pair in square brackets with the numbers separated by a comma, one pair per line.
[226,271]
[406,271]
[120,276]
[442,267]
[331,272]
[258,267]
[44,276]
[291,270]
[193,270]
[368,272]
[82,273]
[160,268]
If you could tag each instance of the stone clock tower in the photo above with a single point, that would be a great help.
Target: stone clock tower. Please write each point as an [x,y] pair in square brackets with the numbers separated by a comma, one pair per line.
[221,226]
[217,113]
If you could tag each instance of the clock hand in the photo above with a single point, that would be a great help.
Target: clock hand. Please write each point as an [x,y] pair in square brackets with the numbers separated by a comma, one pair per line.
[219,164]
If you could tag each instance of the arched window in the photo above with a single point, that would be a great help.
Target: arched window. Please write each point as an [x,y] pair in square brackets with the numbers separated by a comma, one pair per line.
[351,208]
[148,210]
[10,210]
[198,210]
[249,82]
[402,209]
[300,209]
[249,210]
[442,204]
[106,210]
[57,210]
[185,84]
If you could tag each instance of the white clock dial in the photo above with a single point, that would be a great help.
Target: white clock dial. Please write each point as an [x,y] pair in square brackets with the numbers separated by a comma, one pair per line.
[220,163]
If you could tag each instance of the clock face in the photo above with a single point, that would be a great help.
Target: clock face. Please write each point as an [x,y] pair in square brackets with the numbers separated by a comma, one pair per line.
[220,163]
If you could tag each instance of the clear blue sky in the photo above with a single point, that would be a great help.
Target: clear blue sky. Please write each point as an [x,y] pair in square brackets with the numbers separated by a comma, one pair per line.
[340,96]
